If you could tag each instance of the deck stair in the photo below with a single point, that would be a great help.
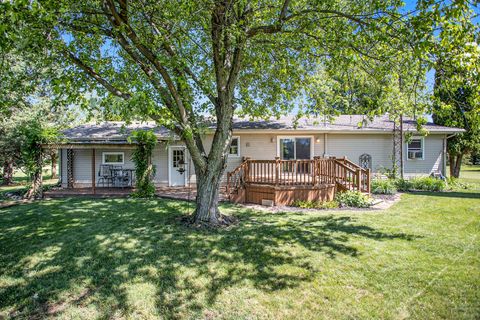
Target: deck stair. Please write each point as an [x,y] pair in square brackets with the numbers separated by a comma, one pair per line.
[303,177]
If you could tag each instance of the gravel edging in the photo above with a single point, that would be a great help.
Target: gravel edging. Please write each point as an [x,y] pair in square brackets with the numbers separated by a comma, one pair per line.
[381,202]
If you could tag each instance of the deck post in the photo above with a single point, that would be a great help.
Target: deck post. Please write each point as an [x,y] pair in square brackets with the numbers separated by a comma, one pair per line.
[247,169]
[368,180]
[359,179]
[316,164]
[277,169]
[93,171]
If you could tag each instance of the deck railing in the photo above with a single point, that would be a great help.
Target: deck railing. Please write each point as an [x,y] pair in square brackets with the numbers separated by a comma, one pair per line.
[341,171]
[236,178]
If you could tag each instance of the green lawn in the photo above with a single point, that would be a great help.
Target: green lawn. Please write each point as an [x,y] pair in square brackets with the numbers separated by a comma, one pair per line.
[470,174]
[127,258]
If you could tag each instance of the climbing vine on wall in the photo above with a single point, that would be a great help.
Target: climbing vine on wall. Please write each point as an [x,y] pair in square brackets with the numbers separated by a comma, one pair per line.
[142,158]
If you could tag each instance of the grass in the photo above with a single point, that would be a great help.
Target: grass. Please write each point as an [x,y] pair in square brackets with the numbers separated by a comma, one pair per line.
[21,181]
[129,258]
[470,174]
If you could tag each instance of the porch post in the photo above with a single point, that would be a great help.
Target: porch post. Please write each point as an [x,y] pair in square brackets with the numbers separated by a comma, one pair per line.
[93,171]
[70,159]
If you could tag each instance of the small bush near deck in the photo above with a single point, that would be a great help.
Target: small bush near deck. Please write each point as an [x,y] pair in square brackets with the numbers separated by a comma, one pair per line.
[353,199]
[384,186]
[316,204]
[421,184]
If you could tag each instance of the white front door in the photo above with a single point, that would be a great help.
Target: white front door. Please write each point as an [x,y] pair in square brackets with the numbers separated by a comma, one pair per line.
[177,166]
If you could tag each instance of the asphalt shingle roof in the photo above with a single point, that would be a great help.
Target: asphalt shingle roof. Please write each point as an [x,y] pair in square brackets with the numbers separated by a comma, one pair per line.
[118,132]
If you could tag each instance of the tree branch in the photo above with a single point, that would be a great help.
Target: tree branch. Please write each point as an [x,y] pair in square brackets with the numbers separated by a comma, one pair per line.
[112,89]
[278,25]
[117,21]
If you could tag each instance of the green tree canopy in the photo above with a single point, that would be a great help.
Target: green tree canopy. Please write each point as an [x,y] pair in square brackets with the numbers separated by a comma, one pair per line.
[457,84]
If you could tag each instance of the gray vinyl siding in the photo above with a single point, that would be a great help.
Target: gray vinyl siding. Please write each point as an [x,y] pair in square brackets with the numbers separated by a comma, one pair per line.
[433,157]
[265,147]
[160,161]
[352,146]
[380,147]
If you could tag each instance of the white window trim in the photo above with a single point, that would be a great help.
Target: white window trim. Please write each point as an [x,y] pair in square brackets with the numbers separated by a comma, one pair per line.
[110,153]
[423,148]
[293,137]
[238,150]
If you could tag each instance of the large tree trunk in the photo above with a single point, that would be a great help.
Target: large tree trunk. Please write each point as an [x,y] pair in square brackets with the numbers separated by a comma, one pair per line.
[7,175]
[54,158]
[208,189]
[209,184]
[455,164]
[209,177]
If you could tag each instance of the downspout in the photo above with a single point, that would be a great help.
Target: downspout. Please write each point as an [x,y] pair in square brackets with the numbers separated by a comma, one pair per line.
[325,150]
[60,167]
[444,156]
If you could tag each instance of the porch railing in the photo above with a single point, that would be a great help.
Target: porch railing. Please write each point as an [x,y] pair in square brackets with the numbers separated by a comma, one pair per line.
[341,171]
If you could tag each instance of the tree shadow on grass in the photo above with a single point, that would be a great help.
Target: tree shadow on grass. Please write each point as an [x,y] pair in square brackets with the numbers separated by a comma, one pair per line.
[104,247]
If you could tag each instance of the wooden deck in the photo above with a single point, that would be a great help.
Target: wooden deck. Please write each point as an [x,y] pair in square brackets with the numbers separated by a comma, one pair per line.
[282,182]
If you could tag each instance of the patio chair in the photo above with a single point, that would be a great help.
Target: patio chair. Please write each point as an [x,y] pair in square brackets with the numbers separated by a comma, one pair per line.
[105,175]
[122,177]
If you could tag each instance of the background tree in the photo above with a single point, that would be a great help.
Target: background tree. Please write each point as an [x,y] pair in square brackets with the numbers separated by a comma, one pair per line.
[174,62]
[10,149]
[457,84]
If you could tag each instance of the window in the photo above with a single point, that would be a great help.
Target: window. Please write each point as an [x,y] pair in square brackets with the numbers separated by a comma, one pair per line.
[415,149]
[291,148]
[113,158]
[235,147]
[178,157]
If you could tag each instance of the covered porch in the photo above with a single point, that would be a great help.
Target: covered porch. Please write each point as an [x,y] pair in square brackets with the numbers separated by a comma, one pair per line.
[96,166]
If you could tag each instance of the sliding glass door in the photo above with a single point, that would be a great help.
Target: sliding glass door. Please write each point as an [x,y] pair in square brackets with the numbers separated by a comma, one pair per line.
[295,148]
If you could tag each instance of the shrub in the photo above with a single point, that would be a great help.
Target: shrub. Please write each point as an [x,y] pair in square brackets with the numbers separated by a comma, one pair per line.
[421,184]
[384,186]
[428,184]
[403,185]
[316,204]
[353,199]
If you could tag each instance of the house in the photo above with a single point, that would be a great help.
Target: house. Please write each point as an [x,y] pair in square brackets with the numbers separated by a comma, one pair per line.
[368,147]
